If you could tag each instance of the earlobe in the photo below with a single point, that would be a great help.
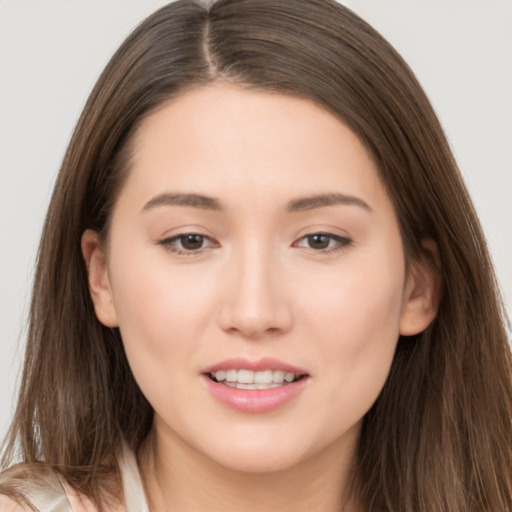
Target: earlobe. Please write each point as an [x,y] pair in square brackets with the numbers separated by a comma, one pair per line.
[422,292]
[99,281]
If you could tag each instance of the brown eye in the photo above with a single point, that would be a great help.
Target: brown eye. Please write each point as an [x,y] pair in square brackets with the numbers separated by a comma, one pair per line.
[188,243]
[318,241]
[192,242]
[323,242]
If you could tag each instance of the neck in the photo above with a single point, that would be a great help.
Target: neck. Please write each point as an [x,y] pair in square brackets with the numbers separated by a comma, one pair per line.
[176,477]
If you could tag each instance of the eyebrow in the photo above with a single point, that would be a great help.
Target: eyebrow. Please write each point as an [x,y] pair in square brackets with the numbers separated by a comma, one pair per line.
[296,205]
[322,200]
[191,200]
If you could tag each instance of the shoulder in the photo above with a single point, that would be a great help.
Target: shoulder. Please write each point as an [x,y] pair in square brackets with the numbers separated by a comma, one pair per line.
[33,488]
[10,505]
[37,488]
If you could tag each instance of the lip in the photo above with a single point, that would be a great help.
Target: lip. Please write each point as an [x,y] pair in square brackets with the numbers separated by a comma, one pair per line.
[266,363]
[255,400]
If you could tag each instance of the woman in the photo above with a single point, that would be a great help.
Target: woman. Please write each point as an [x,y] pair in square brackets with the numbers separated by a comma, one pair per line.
[261,283]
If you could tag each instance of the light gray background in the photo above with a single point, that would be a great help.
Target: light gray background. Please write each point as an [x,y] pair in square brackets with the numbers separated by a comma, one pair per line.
[52,51]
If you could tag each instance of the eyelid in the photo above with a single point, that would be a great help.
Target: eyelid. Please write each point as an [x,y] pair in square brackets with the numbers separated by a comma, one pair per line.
[342,242]
[168,243]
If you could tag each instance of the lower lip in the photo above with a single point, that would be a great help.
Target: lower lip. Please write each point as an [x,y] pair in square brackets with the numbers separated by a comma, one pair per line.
[255,400]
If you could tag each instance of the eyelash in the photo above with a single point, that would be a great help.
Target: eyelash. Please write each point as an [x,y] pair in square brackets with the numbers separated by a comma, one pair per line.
[170,244]
[340,243]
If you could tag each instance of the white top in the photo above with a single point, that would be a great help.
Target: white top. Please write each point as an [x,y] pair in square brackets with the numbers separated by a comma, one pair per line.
[134,496]
[52,494]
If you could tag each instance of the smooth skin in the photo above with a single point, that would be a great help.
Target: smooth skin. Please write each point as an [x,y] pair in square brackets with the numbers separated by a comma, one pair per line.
[269,272]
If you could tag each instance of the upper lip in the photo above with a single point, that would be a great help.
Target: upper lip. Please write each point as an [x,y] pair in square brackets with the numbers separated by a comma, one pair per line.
[265,363]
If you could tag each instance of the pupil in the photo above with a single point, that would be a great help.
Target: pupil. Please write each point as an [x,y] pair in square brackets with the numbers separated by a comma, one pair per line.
[318,241]
[192,242]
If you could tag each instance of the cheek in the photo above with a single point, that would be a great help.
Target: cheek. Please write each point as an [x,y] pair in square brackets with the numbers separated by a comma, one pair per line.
[161,314]
[361,300]
[159,309]
[356,325]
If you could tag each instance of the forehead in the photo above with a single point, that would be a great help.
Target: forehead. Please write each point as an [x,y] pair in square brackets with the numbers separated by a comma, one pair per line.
[223,140]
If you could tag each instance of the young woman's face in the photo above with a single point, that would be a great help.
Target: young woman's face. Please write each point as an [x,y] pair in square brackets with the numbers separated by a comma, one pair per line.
[253,244]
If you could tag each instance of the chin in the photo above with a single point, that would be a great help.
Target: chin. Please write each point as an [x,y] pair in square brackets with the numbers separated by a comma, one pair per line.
[259,461]
[281,450]
[260,453]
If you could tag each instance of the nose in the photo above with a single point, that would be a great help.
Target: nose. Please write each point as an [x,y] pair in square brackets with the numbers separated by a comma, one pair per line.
[255,300]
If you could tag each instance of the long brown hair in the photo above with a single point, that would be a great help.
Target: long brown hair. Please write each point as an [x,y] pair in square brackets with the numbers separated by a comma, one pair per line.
[439,436]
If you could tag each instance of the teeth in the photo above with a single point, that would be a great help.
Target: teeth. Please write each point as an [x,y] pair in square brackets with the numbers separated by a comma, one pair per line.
[278,376]
[231,375]
[288,377]
[263,377]
[221,375]
[245,377]
[240,385]
[248,379]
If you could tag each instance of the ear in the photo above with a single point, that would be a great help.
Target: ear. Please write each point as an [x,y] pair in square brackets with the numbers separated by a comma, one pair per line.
[422,291]
[99,281]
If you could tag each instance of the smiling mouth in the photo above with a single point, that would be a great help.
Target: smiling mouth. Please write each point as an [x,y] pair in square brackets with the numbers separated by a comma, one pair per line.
[249,379]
